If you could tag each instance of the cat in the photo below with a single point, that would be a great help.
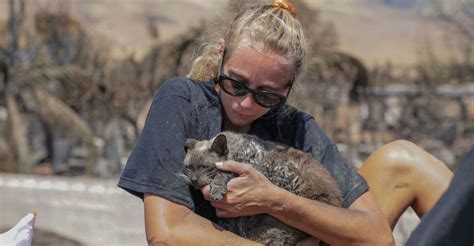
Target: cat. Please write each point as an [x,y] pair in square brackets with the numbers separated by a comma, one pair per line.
[286,167]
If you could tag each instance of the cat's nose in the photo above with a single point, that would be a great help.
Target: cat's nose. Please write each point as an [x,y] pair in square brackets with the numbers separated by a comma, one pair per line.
[194,178]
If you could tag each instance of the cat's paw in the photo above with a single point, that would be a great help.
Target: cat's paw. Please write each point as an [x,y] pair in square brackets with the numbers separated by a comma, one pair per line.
[217,193]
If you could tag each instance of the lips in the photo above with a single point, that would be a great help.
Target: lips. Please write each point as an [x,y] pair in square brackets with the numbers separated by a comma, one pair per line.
[242,115]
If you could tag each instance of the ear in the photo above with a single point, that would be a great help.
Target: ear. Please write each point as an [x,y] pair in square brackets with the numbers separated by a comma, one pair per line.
[190,143]
[219,145]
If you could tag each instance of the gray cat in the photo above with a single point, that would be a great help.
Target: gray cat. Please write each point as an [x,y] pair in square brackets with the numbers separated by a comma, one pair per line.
[285,167]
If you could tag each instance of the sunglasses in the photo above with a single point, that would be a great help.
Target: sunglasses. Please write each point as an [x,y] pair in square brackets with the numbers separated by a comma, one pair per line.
[234,87]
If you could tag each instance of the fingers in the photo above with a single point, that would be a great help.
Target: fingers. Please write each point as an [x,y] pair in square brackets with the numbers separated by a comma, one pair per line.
[206,192]
[233,166]
[308,242]
[224,214]
[222,209]
[227,212]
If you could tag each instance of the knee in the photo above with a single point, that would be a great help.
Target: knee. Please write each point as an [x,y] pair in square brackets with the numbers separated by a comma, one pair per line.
[400,156]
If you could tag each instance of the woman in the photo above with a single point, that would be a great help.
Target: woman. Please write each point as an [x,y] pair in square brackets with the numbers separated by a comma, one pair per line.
[253,68]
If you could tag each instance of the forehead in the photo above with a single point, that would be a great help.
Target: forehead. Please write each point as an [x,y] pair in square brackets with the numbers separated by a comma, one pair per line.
[201,146]
[258,48]
[257,64]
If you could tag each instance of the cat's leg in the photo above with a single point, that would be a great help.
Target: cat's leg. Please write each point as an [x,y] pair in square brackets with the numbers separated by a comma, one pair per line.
[219,185]
[267,230]
[401,174]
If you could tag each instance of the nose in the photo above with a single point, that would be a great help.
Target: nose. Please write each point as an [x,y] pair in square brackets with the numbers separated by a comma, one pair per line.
[194,178]
[247,101]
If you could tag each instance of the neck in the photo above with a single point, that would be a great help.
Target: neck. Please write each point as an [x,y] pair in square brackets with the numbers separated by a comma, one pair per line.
[229,126]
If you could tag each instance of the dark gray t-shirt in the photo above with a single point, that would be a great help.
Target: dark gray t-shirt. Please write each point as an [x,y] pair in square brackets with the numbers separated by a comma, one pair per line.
[185,108]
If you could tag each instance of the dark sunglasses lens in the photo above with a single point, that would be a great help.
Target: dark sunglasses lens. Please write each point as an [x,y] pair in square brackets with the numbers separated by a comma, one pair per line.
[268,99]
[233,87]
[265,99]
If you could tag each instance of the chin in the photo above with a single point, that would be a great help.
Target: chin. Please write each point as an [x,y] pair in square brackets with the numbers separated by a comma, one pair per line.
[241,123]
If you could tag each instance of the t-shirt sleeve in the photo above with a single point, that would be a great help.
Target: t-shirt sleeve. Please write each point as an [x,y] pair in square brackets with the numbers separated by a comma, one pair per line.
[158,155]
[318,144]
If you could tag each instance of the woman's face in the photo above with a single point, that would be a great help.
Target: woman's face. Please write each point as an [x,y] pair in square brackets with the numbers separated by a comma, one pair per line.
[258,69]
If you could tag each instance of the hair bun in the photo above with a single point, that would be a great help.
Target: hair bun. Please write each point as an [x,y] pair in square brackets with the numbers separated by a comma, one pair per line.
[285,4]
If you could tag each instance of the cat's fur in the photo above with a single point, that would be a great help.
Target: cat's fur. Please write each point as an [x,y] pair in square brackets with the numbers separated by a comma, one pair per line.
[285,167]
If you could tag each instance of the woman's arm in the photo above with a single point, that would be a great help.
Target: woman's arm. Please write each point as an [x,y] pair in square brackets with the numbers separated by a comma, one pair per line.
[362,223]
[168,223]
[251,193]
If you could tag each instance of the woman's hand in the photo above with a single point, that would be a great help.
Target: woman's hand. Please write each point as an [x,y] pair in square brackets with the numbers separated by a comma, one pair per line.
[248,194]
[310,241]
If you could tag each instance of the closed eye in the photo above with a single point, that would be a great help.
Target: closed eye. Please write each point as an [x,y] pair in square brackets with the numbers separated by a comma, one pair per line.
[236,85]
[209,167]
[213,173]
[186,169]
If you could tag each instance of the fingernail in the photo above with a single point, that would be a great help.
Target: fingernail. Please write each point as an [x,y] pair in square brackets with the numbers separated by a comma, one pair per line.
[219,164]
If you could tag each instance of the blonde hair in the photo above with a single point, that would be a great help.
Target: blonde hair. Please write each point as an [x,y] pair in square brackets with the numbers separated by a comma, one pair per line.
[274,27]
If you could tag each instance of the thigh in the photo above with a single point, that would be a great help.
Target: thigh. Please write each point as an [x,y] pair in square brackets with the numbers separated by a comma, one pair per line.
[400,174]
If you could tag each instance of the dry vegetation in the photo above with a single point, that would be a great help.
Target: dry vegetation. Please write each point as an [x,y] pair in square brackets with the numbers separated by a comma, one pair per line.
[60,82]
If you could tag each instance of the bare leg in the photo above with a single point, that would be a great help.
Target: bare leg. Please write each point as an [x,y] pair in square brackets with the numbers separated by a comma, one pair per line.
[401,174]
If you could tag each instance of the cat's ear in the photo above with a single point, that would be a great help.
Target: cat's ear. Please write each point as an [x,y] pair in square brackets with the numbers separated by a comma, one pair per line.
[190,143]
[219,145]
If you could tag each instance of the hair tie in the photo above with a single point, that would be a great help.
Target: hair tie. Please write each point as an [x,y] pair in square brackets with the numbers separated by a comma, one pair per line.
[285,4]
